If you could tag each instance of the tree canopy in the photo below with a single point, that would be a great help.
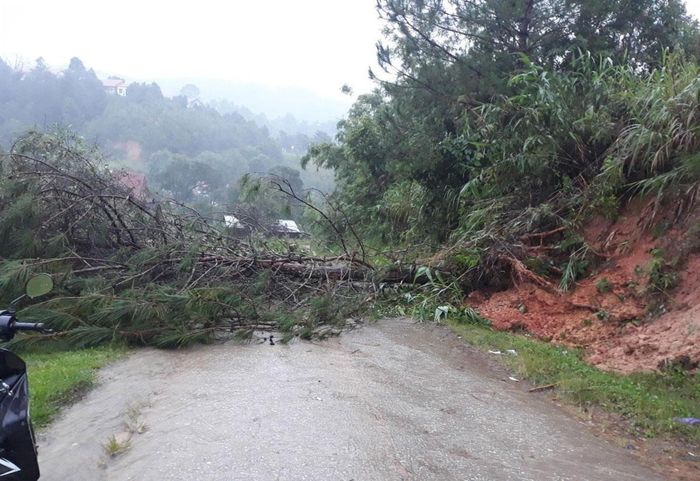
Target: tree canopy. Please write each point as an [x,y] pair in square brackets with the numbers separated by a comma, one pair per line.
[490,110]
[179,145]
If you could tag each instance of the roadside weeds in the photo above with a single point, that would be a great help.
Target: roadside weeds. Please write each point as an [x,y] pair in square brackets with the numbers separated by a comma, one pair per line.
[648,402]
[60,378]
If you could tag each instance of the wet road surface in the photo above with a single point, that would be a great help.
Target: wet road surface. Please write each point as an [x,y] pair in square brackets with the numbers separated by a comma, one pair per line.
[391,401]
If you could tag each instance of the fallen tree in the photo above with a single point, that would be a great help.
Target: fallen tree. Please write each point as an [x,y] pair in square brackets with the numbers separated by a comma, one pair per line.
[154,271]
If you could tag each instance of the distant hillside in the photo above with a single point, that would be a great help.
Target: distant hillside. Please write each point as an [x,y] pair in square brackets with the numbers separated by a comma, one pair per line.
[76,97]
[185,147]
[289,123]
[272,102]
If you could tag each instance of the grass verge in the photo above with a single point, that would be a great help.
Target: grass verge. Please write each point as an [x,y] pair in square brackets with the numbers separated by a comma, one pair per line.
[58,378]
[649,401]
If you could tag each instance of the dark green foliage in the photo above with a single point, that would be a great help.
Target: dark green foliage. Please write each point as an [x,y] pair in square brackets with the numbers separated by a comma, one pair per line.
[575,268]
[324,310]
[285,322]
[470,316]
[603,285]
[152,316]
[137,272]
[662,275]
[480,38]
[467,259]
[510,123]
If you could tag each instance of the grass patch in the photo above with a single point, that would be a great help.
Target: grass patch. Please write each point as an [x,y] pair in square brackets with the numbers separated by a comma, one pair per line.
[115,446]
[59,378]
[603,285]
[649,401]
[662,275]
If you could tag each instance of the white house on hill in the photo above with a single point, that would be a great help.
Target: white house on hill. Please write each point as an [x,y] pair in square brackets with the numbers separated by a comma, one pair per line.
[115,86]
[289,228]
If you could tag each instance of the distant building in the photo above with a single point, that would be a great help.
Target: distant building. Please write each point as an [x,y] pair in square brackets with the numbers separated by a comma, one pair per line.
[115,86]
[288,228]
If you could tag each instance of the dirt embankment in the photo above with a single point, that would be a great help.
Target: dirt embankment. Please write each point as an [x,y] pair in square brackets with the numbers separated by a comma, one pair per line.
[625,322]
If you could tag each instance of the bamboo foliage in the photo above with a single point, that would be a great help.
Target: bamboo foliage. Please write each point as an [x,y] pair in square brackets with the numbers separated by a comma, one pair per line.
[570,144]
[665,119]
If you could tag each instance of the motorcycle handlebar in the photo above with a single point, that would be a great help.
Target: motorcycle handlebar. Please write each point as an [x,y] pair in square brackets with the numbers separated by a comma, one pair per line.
[28,326]
[9,326]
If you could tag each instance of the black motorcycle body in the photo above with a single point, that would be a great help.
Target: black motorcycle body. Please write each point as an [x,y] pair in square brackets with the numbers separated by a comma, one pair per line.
[18,457]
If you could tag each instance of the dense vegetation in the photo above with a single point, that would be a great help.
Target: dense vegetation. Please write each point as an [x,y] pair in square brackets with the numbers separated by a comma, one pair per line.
[145,271]
[179,145]
[496,130]
[502,122]
[495,120]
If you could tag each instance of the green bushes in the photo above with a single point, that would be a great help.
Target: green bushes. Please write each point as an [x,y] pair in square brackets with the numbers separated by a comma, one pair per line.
[586,134]
[662,276]
[535,162]
[661,130]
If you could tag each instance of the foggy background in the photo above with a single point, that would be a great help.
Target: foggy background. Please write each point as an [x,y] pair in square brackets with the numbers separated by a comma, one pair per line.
[274,57]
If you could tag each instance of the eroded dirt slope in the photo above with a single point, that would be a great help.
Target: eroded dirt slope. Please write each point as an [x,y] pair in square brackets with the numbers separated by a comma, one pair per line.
[623,322]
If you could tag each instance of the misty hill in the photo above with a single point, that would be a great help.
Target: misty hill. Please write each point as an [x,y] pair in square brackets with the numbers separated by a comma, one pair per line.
[76,97]
[272,102]
[186,148]
[292,134]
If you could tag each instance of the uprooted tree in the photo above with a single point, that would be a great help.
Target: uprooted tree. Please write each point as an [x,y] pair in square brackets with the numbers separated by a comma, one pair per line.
[153,271]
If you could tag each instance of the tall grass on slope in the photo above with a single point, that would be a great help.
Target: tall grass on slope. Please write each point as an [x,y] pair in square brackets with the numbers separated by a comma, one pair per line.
[660,148]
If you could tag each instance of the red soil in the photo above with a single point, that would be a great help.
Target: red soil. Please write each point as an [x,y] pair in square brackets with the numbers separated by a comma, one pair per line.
[614,325]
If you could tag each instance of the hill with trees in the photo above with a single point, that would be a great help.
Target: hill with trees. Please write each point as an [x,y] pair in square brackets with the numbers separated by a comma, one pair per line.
[501,133]
[178,144]
[499,100]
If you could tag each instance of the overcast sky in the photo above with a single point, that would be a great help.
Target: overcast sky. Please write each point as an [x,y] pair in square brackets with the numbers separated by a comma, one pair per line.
[693,7]
[318,44]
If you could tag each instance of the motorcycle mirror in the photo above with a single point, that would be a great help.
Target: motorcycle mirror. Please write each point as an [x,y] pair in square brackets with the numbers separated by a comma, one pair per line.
[39,285]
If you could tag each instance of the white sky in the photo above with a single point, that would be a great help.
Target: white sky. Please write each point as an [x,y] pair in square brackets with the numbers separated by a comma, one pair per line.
[317,44]
[693,7]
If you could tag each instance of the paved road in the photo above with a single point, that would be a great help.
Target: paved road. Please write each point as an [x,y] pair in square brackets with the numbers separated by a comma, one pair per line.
[391,401]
